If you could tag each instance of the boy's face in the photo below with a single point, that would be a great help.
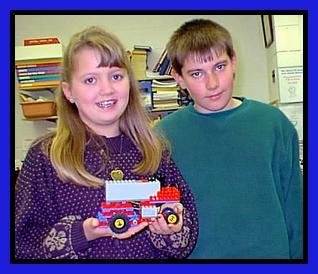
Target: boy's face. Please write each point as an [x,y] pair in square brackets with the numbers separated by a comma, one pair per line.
[209,83]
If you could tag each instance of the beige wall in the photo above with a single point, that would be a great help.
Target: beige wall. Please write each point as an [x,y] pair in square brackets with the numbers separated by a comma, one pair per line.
[154,30]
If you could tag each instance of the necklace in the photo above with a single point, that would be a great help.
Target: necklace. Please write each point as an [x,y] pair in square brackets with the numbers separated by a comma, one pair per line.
[116,173]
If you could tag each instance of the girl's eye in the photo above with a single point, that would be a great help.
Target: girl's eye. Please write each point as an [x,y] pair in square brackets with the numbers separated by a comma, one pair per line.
[90,80]
[117,77]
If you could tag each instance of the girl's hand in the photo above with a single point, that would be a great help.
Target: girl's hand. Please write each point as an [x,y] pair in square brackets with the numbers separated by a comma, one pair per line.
[160,225]
[93,231]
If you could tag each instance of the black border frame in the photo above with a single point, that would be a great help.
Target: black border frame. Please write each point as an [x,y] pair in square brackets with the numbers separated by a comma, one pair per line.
[304,260]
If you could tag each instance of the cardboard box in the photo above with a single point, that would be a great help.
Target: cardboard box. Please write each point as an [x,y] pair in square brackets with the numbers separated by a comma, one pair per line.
[38,109]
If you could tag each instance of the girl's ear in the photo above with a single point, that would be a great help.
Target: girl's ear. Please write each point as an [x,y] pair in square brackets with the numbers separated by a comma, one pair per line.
[67,91]
[179,79]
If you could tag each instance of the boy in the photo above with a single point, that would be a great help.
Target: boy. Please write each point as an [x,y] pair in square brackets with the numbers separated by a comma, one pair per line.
[239,156]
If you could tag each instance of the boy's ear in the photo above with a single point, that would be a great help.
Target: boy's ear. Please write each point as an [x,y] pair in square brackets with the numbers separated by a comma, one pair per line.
[234,62]
[178,79]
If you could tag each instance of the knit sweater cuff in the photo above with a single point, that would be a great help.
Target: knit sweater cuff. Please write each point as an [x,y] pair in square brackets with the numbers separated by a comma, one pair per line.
[79,241]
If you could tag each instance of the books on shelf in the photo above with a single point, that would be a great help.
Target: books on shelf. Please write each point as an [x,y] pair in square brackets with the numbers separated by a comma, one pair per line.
[38,66]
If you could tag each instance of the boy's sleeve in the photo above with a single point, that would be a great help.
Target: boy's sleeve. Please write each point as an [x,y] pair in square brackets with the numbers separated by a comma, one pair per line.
[293,193]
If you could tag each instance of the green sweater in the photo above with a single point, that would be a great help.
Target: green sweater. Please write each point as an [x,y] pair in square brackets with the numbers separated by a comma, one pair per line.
[242,165]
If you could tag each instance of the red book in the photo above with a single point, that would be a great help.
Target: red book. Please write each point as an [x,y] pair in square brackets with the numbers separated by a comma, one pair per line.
[34,65]
[41,41]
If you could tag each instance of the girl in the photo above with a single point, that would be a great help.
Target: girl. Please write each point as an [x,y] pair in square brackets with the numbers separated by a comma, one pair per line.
[103,133]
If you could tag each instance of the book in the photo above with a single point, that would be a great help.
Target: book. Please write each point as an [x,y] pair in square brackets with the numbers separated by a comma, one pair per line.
[45,51]
[35,69]
[38,61]
[38,73]
[160,60]
[39,84]
[169,82]
[143,47]
[46,79]
[35,65]
[43,76]
[139,52]
[164,66]
[40,41]
[165,89]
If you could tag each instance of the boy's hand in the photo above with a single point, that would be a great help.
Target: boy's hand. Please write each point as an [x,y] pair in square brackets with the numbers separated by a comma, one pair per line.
[160,225]
[93,231]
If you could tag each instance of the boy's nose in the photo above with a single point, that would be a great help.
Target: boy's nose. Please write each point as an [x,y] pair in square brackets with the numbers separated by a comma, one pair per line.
[212,81]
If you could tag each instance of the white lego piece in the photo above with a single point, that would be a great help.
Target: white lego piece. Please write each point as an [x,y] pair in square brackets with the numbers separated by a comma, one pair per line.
[130,190]
[149,212]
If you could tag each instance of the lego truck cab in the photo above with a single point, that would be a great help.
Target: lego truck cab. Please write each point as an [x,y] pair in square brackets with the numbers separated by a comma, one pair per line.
[130,202]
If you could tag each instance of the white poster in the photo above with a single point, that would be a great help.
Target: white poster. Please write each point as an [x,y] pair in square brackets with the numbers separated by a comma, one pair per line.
[290,80]
[295,114]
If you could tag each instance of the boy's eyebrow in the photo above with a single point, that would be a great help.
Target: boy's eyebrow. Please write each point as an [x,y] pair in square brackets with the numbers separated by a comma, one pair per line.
[223,61]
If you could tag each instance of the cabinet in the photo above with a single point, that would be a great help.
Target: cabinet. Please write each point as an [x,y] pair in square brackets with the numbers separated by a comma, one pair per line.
[38,76]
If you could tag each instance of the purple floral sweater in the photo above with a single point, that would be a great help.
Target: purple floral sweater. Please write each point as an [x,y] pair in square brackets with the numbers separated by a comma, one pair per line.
[49,213]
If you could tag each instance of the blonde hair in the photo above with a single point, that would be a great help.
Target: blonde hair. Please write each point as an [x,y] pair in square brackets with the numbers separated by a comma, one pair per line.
[67,148]
[200,39]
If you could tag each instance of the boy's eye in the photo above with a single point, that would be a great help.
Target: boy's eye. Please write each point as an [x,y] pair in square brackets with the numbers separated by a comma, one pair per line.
[90,80]
[220,67]
[196,74]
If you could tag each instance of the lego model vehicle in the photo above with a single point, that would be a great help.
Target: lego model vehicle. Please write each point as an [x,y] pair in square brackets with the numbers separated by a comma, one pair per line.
[130,202]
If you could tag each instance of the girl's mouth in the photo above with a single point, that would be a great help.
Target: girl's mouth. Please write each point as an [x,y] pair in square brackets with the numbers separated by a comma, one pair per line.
[106,103]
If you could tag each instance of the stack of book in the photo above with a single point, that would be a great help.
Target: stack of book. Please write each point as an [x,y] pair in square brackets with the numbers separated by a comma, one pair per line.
[165,94]
[38,66]
[39,73]
[138,60]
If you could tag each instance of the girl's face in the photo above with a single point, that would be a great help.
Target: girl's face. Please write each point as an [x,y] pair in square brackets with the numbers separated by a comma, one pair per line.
[209,83]
[101,94]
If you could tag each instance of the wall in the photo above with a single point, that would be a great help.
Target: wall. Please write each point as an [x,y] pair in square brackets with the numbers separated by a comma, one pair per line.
[153,30]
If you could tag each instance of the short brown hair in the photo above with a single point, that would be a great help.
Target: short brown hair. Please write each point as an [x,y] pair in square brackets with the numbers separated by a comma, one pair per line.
[200,38]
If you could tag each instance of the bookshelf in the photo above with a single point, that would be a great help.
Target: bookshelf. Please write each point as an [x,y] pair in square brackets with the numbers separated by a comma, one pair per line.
[37,68]
[162,95]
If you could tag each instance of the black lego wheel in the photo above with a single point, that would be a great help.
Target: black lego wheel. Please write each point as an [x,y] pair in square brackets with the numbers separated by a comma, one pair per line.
[119,223]
[170,216]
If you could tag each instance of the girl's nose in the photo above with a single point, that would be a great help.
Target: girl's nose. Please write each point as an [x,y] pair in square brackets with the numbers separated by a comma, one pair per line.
[106,87]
